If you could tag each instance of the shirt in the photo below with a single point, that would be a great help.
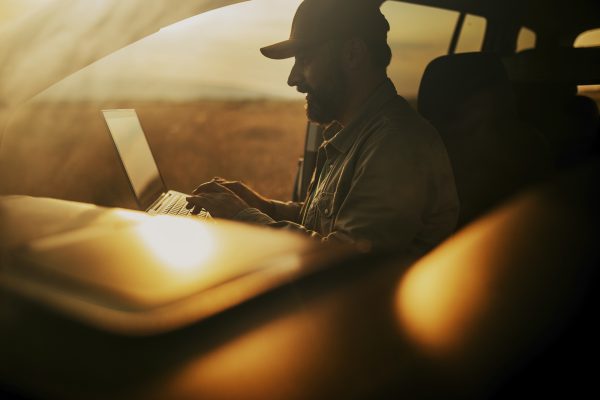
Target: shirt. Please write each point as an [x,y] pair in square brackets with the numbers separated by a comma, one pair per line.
[385,178]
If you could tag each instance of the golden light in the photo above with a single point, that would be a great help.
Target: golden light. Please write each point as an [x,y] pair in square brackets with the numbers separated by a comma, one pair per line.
[440,297]
[10,9]
[127,215]
[182,244]
[276,360]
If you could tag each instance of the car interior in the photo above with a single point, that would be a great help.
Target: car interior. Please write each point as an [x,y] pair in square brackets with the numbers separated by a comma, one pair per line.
[100,300]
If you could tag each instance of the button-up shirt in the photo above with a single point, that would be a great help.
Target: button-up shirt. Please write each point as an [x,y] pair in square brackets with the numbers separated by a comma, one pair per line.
[384,178]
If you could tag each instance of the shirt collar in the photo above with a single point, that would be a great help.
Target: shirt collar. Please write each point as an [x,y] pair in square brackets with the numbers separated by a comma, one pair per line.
[341,138]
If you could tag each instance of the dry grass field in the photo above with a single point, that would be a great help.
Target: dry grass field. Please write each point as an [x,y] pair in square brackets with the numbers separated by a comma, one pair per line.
[64,150]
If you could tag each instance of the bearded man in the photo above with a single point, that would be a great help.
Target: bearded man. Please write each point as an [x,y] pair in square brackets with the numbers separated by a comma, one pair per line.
[382,173]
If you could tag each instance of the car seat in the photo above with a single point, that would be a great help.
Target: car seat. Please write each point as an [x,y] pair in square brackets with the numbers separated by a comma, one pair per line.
[469,99]
[545,82]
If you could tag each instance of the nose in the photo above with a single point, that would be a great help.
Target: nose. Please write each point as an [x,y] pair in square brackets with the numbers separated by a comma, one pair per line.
[295,78]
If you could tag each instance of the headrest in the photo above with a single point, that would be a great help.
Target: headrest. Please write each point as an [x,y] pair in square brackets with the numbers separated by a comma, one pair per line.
[568,65]
[456,84]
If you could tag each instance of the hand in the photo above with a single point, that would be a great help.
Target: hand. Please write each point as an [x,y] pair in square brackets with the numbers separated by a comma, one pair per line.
[252,198]
[219,201]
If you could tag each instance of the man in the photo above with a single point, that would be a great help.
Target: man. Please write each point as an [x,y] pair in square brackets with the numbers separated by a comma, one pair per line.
[382,173]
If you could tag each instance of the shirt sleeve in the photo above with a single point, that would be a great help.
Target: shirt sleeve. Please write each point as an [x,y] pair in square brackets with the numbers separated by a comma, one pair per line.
[287,211]
[255,216]
[389,193]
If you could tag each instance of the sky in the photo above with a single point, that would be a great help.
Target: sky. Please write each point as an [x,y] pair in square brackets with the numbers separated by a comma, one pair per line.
[216,54]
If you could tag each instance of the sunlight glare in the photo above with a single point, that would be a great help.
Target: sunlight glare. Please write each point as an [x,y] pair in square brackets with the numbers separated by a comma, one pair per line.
[180,243]
[14,9]
[129,215]
[439,296]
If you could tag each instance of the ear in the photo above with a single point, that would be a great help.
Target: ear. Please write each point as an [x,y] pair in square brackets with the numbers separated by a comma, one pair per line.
[355,53]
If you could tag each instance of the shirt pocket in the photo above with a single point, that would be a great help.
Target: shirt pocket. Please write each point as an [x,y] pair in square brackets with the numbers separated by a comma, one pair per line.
[326,210]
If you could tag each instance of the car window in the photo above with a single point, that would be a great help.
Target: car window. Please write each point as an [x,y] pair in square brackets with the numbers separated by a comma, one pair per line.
[12,9]
[589,39]
[526,39]
[592,91]
[418,34]
[472,34]
[208,101]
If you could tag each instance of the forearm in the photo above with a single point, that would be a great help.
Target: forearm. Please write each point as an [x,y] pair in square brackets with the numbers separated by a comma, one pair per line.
[283,211]
[271,213]
[255,216]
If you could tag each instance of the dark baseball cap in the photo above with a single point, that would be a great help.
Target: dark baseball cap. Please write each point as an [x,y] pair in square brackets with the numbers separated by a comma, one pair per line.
[318,21]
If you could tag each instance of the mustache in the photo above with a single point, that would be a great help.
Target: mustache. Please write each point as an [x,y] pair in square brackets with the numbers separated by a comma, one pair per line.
[314,96]
[304,88]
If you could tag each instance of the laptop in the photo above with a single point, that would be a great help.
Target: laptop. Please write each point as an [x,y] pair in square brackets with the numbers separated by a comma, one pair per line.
[145,180]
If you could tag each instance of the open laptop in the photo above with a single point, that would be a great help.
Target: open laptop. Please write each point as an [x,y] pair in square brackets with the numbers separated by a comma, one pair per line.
[141,169]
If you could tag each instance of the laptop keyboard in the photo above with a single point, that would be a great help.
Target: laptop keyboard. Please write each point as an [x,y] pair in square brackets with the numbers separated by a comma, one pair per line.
[175,205]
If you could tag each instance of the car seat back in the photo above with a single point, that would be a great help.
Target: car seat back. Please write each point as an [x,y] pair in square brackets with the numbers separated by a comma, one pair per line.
[545,82]
[469,99]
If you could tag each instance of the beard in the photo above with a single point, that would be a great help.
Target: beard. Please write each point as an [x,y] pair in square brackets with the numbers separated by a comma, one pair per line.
[324,103]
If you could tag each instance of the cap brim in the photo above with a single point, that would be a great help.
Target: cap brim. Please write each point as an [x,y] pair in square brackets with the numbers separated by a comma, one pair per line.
[281,50]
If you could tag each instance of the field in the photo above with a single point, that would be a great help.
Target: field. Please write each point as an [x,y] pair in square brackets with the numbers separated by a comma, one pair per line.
[63,150]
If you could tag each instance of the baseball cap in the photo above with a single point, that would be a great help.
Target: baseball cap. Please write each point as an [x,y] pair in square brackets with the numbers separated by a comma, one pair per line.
[317,21]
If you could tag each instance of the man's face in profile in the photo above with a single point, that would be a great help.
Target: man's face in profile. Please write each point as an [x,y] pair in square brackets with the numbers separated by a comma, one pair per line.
[318,73]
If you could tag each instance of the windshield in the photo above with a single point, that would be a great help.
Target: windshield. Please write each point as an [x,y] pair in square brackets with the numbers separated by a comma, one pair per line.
[209,103]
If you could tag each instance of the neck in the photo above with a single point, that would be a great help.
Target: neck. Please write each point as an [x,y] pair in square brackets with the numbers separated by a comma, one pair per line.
[359,91]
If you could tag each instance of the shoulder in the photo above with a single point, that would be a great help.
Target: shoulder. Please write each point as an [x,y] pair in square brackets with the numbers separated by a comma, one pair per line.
[399,126]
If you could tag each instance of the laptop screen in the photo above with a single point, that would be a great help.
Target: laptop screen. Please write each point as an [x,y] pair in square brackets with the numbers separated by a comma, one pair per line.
[135,155]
